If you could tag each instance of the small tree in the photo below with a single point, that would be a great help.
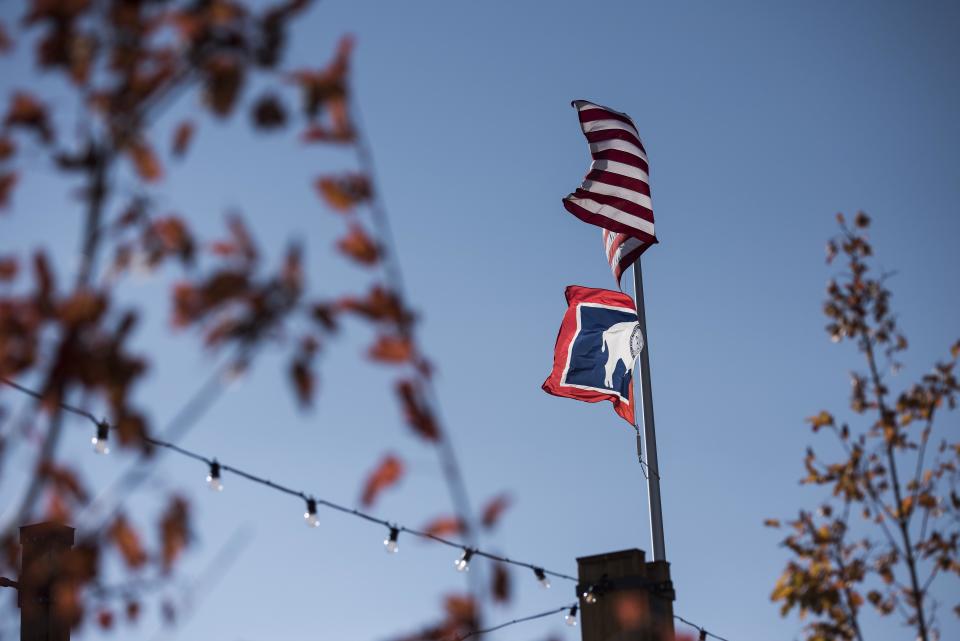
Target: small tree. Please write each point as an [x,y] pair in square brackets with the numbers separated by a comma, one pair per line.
[889,526]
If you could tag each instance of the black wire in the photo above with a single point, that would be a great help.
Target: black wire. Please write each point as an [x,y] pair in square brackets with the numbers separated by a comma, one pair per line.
[254,478]
[514,622]
[352,512]
[703,631]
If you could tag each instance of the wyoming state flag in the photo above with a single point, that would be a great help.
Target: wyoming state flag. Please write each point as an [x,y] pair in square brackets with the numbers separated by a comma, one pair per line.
[598,343]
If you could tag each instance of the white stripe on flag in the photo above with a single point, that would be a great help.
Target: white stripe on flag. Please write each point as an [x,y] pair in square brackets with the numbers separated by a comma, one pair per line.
[623,169]
[613,214]
[619,192]
[621,145]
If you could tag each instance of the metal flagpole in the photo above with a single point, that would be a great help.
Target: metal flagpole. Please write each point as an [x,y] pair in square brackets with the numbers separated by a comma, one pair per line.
[649,434]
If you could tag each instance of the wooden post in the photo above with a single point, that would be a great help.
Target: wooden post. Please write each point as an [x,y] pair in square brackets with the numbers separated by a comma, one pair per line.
[43,546]
[632,598]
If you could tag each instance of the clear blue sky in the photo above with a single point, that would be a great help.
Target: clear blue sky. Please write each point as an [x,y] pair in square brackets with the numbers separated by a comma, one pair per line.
[761,122]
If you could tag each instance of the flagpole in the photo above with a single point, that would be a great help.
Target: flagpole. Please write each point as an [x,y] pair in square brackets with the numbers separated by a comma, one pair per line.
[649,434]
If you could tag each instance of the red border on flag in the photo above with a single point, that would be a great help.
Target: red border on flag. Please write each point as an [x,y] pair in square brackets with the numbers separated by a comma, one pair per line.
[576,295]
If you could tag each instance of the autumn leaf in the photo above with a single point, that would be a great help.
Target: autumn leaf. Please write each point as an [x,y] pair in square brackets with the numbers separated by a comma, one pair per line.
[494,509]
[359,246]
[318,133]
[304,382]
[325,315]
[174,532]
[64,481]
[174,237]
[145,161]
[379,305]
[418,414]
[444,526]
[500,583]
[861,220]
[343,193]
[8,268]
[224,79]
[955,350]
[83,307]
[269,113]
[461,610]
[386,474]
[127,541]
[7,147]
[391,349]
[132,610]
[28,112]
[6,42]
[822,419]
[182,137]
[105,619]
[320,88]
[771,522]
[7,182]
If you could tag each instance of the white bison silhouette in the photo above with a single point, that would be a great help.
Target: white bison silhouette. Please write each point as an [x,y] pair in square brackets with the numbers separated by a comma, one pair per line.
[621,342]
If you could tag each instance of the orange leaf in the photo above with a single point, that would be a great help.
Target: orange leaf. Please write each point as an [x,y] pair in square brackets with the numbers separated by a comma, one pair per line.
[145,161]
[444,526]
[772,522]
[224,79]
[28,112]
[500,585]
[822,419]
[387,473]
[345,192]
[379,305]
[392,349]
[7,147]
[182,137]
[6,42]
[105,619]
[494,509]
[320,88]
[7,183]
[416,411]
[359,246]
[8,268]
[128,542]
[174,533]
[303,381]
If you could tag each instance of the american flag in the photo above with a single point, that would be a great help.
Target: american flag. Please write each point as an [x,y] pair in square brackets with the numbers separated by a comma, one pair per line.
[615,194]
[622,251]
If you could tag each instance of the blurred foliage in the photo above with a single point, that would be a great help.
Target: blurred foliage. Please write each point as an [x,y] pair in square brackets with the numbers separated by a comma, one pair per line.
[126,62]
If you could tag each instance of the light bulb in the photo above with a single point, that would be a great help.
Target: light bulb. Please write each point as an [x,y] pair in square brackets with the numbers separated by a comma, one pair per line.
[213,478]
[542,577]
[100,444]
[390,543]
[310,516]
[589,596]
[463,563]
[571,617]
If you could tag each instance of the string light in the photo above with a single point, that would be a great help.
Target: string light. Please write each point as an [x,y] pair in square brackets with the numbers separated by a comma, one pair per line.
[542,577]
[213,478]
[589,596]
[310,516]
[390,543]
[100,445]
[463,563]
